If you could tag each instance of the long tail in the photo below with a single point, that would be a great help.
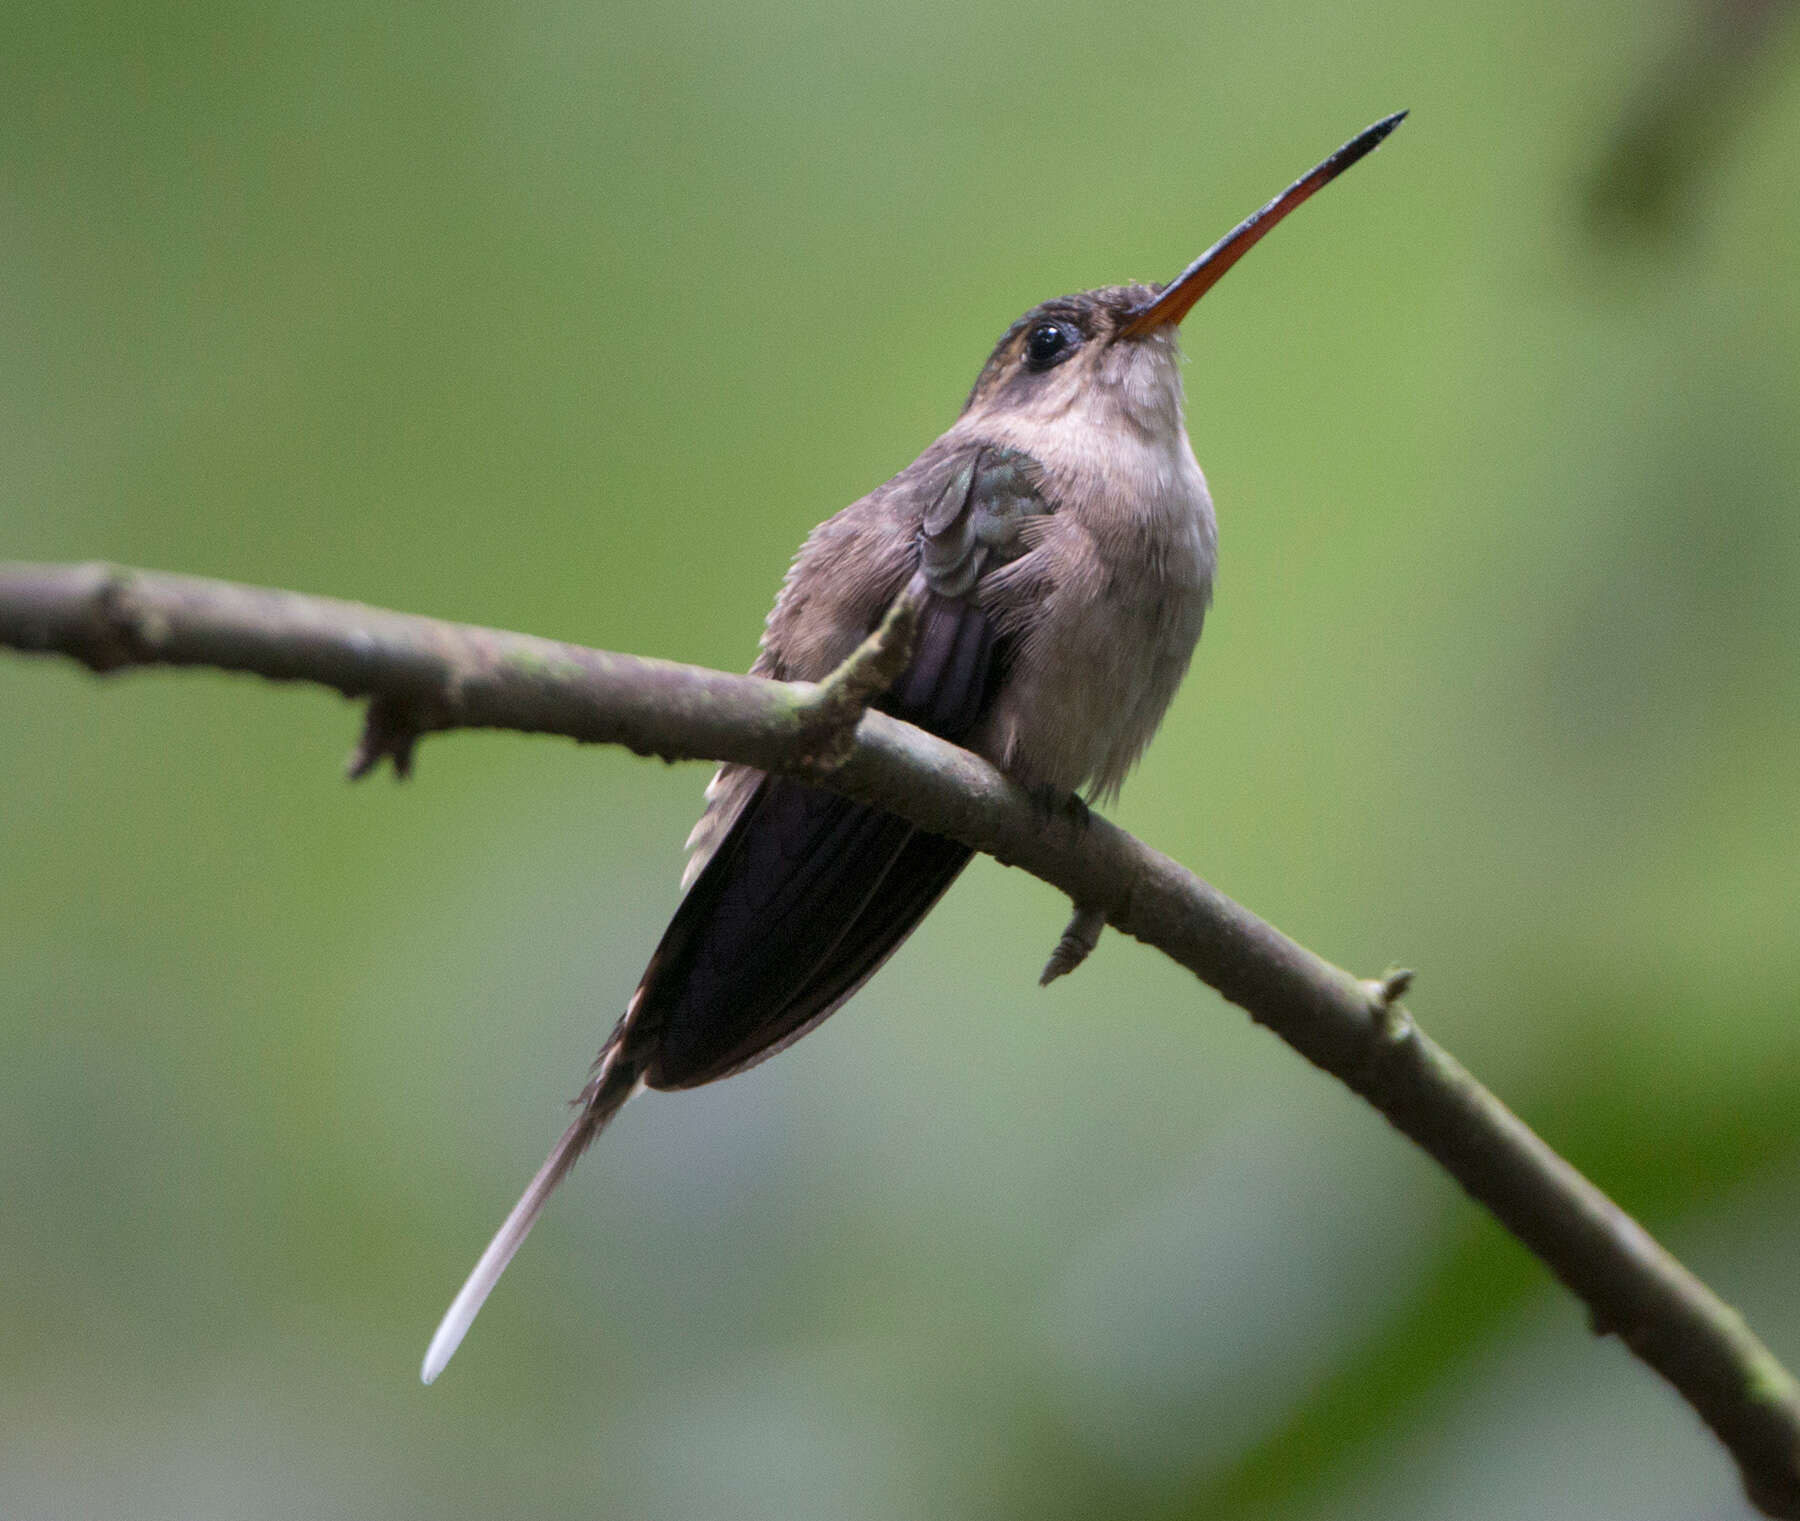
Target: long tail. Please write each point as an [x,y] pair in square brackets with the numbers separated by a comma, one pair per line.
[615,1081]
[797,906]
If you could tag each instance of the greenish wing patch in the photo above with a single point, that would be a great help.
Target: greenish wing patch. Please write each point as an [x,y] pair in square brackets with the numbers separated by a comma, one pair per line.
[974,521]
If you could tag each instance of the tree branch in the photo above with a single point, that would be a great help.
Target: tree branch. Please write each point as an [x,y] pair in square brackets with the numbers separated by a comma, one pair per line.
[423,675]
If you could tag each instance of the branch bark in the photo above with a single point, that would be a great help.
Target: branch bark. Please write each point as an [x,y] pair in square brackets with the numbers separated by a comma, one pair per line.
[422,675]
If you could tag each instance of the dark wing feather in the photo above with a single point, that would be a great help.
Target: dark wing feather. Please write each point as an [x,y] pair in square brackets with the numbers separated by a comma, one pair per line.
[810,892]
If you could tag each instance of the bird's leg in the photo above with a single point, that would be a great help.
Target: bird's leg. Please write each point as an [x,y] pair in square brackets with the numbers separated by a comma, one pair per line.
[1085,924]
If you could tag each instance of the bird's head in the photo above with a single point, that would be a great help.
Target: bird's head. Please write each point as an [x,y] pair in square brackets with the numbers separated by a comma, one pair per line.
[1109,357]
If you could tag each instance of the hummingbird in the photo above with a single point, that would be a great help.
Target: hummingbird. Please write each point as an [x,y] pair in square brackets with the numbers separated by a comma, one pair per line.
[1059,542]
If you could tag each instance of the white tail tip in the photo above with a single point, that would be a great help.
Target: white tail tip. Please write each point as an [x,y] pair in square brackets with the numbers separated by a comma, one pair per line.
[507,1241]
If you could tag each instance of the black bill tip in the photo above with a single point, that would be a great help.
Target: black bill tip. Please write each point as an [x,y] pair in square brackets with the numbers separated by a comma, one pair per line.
[1177,298]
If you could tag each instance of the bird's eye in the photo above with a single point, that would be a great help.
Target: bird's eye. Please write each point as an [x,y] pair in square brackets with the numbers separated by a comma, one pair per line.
[1046,344]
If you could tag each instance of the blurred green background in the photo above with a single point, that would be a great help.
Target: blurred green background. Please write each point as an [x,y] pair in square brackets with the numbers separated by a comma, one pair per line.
[574,319]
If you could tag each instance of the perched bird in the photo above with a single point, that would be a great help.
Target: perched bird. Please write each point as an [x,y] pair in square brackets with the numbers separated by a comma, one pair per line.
[1060,542]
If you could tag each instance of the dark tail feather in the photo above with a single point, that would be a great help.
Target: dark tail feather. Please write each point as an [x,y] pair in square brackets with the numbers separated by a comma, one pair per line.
[612,1084]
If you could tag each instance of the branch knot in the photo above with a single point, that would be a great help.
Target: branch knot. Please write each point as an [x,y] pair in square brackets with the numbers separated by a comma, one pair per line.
[1384,994]
[392,727]
[1078,939]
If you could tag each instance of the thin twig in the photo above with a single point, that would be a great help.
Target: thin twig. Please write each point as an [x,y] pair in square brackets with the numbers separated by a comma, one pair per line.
[449,675]
[833,709]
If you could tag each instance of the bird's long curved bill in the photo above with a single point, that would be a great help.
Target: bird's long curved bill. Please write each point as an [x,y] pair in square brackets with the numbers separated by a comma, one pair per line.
[1177,298]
